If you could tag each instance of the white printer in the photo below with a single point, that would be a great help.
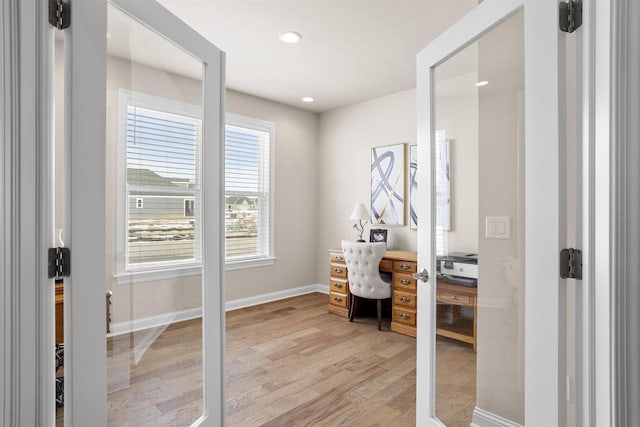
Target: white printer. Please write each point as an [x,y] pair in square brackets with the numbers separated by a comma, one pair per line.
[458,268]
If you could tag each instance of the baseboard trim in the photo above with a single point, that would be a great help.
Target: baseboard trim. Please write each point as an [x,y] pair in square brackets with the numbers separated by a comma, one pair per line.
[482,418]
[275,296]
[193,313]
[154,321]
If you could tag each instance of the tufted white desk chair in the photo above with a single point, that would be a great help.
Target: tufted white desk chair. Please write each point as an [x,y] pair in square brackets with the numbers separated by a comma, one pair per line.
[365,281]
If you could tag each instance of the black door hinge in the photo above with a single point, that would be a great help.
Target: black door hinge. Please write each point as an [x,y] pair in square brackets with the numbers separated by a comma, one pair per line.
[59,14]
[570,15]
[571,264]
[59,262]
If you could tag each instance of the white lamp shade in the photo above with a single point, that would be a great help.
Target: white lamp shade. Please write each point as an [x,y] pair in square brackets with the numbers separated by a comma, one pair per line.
[360,212]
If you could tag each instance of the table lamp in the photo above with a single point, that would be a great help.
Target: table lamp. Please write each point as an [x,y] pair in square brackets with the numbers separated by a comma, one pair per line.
[360,213]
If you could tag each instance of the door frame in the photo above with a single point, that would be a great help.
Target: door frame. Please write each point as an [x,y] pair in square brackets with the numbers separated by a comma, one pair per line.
[27,308]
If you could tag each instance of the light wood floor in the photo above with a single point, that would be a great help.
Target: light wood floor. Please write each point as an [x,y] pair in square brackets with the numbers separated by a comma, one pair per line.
[288,363]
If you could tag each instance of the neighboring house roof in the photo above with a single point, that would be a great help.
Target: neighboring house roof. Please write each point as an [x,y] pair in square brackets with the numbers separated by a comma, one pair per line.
[146,177]
[239,200]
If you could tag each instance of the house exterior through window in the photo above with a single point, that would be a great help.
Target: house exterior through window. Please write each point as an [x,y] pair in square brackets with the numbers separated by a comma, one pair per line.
[159,184]
[159,221]
[248,191]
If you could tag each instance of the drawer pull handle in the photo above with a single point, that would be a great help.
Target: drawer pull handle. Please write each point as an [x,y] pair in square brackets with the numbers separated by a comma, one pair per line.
[338,270]
[338,285]
[405,316]
[339,257]
[404,266]
[405,299]
[337,299]
[404,281]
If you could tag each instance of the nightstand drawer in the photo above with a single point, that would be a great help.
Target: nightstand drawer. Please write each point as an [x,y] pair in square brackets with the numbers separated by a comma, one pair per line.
[453,298]
[405,316]
[337,258]
[339,286]
[404,281]
[338,299]
[336,270]
[405,266]
[404,299]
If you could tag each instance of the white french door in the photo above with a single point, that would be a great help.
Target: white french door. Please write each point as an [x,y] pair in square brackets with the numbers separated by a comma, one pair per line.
[144,114]
[492,85]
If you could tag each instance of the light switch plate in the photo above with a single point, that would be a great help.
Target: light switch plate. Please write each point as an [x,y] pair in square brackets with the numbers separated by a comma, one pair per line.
[497,227]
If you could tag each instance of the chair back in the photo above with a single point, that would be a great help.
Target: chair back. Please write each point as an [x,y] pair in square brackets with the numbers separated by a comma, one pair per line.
[363,264]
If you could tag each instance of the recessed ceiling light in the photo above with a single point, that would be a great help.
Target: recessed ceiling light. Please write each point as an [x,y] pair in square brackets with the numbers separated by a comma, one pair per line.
[482,83]
[290,37]
[308,99]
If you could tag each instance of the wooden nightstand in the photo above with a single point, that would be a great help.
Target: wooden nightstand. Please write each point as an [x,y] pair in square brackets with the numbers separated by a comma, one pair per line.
[338,285]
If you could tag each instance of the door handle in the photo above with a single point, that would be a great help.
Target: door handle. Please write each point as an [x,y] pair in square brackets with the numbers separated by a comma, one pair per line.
[423,275]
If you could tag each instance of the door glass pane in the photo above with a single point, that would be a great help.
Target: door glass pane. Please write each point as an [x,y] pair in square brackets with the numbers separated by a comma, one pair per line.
[154,130]
[479,176]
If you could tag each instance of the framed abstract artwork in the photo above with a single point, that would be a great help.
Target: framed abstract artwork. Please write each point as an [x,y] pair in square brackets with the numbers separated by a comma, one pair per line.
[413,186]
[387,185]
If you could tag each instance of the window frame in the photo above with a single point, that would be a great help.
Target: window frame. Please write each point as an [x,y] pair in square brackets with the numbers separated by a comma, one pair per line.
[269,127]
[124,275]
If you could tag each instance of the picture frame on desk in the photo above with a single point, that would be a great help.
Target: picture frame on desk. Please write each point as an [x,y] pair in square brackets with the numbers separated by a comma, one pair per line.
[378,235]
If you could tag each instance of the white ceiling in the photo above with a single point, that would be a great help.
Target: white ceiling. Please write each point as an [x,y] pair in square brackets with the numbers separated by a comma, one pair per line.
[351,51]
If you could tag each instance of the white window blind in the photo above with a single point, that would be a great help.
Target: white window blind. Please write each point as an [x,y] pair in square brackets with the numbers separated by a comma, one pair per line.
[443,196]
[248,190]
[162,188]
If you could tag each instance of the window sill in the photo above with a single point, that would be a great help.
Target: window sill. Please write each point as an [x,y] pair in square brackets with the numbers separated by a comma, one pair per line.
[135,277]
[142,276]
[249,263]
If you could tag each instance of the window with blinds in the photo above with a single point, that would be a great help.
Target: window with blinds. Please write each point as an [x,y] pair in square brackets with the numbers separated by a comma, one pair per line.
[248,223]
[162,188]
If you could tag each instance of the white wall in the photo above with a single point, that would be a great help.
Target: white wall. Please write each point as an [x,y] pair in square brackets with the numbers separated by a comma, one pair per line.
[345,138]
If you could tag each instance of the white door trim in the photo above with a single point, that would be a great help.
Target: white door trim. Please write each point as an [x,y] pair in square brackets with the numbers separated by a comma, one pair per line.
[84,208]
[545,213]
[10,104]
[625,185]
[585,404]
[603,219]
[27,325]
